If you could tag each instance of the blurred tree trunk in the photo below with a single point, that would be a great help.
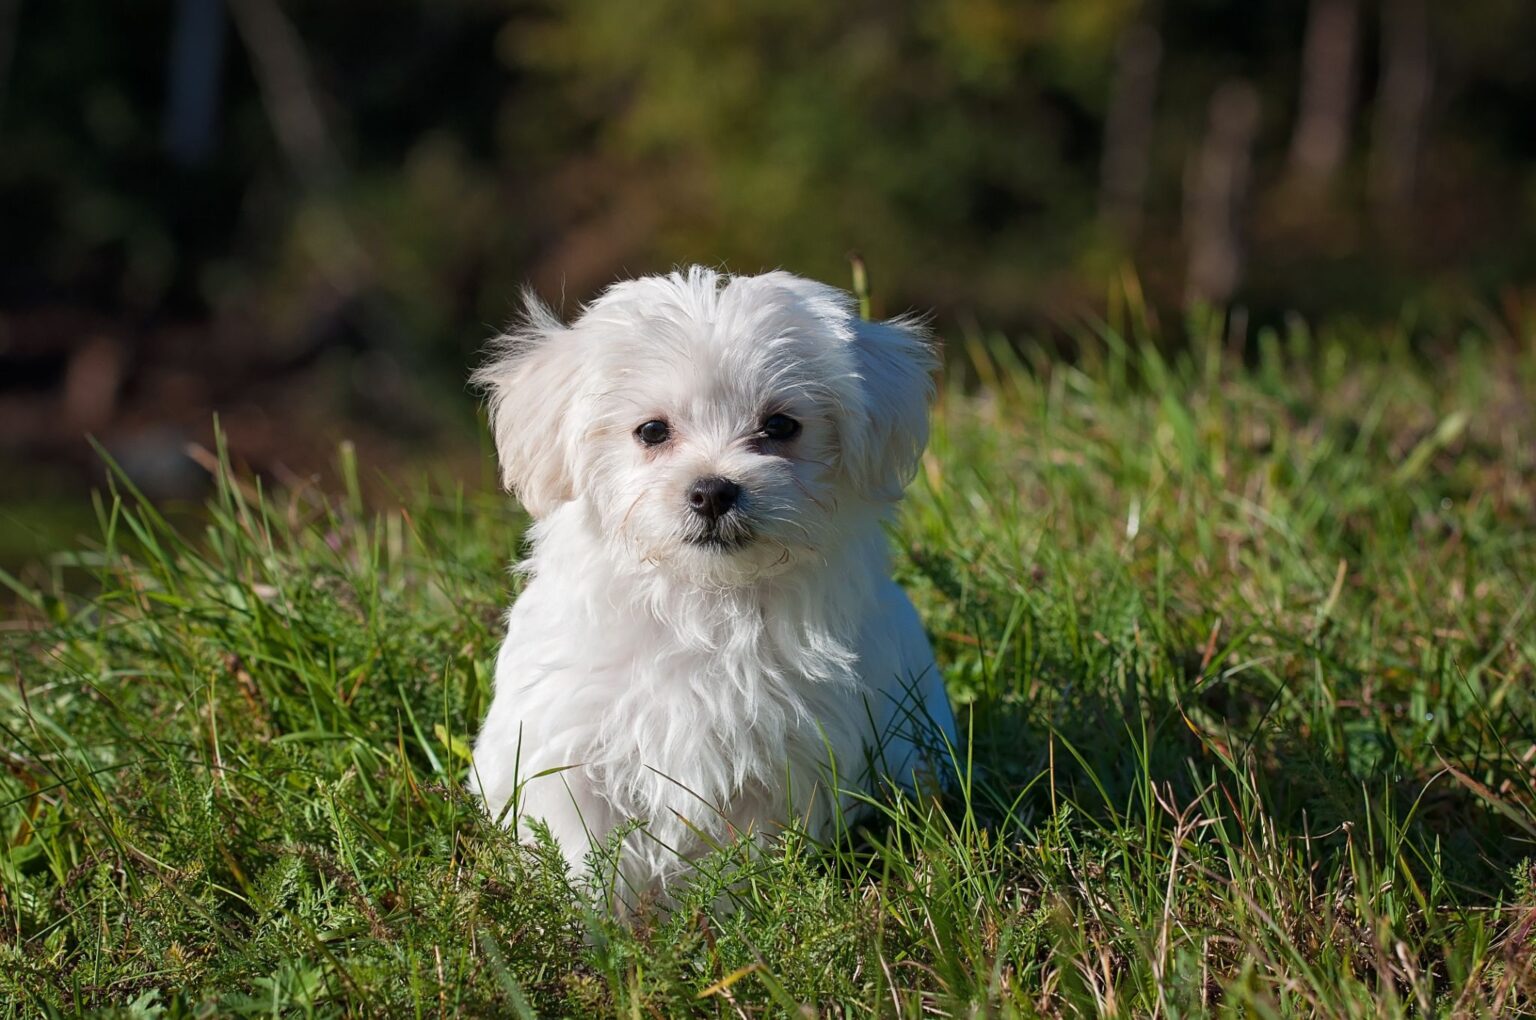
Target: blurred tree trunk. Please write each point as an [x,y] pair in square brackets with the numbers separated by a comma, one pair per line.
[292,102]
[1402,104]
[288,91]
[1128,129]
[1326,108]
[195,72]
[9,10]
[1216,186]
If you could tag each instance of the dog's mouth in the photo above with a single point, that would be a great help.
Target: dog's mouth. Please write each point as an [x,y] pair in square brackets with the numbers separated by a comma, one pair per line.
[716,542]
[728,534]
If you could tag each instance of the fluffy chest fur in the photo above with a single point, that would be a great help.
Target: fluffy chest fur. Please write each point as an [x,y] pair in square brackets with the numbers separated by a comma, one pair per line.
[695,712]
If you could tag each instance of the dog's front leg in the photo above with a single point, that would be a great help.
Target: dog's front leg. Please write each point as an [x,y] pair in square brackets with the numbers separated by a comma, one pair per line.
[568,803]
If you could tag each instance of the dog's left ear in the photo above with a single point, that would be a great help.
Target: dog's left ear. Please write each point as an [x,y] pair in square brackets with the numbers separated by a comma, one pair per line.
[884,441]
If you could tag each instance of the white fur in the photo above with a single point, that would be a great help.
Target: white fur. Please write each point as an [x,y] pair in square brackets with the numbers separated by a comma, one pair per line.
[699,691]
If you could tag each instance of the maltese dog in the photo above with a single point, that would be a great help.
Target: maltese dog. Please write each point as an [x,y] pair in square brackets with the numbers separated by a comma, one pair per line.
[709,642]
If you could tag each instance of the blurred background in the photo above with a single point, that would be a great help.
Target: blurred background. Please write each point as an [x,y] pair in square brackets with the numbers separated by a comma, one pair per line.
[306,217]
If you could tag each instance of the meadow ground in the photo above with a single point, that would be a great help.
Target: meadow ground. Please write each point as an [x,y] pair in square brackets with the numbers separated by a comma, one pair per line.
[1245,646]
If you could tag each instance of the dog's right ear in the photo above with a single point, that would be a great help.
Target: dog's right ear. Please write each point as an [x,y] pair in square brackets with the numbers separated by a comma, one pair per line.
[531,383]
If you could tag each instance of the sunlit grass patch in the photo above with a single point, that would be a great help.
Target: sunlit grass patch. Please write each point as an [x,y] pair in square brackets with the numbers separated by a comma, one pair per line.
[1244,648]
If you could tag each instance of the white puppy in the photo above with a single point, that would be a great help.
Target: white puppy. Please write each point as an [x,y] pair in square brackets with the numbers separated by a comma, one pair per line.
[709,642]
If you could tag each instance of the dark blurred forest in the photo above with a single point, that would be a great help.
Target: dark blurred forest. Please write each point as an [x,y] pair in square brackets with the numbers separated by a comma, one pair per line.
[307,216]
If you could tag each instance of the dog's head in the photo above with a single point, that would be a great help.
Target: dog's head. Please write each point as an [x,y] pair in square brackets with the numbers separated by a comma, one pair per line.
[718,426]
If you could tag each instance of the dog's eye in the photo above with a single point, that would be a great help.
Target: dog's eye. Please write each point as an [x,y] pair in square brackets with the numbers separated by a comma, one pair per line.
[780,426]
[654,432]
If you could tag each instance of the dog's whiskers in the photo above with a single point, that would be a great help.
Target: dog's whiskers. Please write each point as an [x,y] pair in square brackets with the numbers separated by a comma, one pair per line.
[807,493]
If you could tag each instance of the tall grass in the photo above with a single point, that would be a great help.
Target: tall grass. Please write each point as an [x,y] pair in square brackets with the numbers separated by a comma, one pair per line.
[1243,637]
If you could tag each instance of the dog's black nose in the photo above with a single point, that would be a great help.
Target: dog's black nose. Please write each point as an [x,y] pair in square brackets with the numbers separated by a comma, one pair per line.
[711,497]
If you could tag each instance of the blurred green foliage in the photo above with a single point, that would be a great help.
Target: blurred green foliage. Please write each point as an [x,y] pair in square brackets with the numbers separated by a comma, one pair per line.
[478,144]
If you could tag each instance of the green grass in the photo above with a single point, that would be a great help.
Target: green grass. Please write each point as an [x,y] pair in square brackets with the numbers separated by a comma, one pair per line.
[1246,652]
